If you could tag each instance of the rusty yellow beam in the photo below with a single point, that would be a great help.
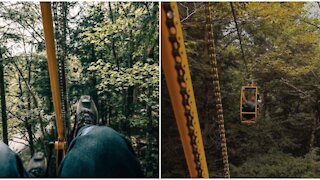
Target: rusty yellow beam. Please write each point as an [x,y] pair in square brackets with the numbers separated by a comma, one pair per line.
[60,144]
[168,64]
[52,64]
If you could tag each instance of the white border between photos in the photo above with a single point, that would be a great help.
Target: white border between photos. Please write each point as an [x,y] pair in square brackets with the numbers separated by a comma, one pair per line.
[160,63]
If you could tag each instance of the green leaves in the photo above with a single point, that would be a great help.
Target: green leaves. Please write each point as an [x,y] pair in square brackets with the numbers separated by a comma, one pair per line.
[278,164]
[127,31]
[280,41]
[118,51]
[113,79]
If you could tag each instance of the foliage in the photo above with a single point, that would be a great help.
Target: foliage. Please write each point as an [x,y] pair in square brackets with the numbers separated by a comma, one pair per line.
[278,164]
[120,72]
[144,77]
[281,50]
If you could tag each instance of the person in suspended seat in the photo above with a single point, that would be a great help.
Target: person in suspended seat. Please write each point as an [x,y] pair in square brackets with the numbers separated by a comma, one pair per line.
[248,105]
[95,151]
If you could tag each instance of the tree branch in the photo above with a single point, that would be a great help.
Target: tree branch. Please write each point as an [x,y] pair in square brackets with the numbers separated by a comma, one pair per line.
[306,95]
[196,9]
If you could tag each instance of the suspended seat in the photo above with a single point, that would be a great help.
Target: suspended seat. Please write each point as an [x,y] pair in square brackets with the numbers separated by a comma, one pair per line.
[249,104]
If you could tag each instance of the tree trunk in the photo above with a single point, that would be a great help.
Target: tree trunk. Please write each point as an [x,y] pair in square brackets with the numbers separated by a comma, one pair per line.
[265,107]
[149,139]
[112,39]
[315,120]
[206,126]
[109,115]
[28,117]
[130,92]
[64,14]
[3,103]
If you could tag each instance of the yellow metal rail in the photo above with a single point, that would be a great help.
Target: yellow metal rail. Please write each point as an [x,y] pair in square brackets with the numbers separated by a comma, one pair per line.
[60,144]
[174,87]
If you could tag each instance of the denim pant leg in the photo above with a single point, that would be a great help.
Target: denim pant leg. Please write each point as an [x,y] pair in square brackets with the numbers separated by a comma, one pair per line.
[99,151]
[10,163]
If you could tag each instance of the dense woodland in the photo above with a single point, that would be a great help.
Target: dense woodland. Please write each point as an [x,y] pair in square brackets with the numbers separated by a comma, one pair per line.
[110,50]
[280,43]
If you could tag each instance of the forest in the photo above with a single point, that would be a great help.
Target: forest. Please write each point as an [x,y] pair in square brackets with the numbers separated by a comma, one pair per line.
[276,45]
[110,51]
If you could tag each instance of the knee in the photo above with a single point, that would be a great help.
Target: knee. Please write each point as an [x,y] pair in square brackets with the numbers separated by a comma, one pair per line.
[106,137]
[5,151]
[109,135]
[11,165]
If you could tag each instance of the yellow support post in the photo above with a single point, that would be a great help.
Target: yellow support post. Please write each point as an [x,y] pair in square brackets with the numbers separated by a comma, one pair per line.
[60,144]
[175,88]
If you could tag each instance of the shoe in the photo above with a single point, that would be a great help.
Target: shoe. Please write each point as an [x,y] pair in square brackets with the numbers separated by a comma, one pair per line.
[37,166]
[86,112]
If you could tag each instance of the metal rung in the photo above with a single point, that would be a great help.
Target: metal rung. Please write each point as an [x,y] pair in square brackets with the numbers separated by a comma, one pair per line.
[249,113]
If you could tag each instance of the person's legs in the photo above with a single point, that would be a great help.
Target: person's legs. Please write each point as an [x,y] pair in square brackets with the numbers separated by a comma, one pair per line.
[99,151]
[10,163]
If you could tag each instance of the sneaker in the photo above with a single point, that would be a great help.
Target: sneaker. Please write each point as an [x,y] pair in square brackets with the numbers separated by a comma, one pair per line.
[37,166]
[86,112]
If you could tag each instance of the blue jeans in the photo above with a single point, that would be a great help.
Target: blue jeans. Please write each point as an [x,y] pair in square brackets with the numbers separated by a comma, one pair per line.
[10,163]
[97,151]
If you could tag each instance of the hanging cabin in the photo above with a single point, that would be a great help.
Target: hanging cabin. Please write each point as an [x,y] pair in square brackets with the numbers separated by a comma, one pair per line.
[249,104]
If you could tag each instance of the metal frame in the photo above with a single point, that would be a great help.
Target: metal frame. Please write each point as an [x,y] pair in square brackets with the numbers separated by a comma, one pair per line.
[168,64]
[253,120]
[60,144]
